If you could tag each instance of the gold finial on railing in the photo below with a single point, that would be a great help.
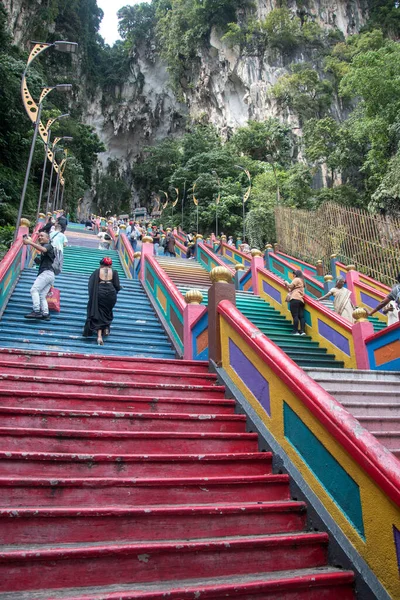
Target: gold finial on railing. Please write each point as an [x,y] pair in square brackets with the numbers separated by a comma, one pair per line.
[24,222]
[239,267]
[147,239]
[42,216]
[319,262]
[221,275]
[268,246]
[122,226]
[49,214]
[194,297]
[199,236]
[333,255]
[360,315]
[351,267]
[110,222]
[256,252]
[137,255]
[223,238]
[328,278]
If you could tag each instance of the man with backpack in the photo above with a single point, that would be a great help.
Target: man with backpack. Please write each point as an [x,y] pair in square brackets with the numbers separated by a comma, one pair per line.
[394,296]
[45,279]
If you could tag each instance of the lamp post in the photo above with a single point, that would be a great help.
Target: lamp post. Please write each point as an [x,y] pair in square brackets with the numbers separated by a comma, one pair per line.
[245,197]
[46,149]
[34,111]
[38,124]
[57,139]
[62,181]
[217,202]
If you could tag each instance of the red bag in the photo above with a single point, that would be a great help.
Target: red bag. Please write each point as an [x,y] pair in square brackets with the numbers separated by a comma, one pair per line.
[53,299]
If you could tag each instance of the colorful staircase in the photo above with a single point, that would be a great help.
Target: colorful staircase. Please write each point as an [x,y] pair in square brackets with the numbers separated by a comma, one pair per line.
[305,352]
[373,397]
[135,479]
[135,330]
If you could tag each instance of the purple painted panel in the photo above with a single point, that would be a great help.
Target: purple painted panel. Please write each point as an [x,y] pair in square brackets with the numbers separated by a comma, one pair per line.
[343,274]
[334,337]
[250,376]
[368,300]
[396,534]
[271,291]
[228,252]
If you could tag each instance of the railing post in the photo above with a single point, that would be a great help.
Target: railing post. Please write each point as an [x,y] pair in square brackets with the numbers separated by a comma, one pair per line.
[333,265]
[191,312]
[23,229]
[352,277]
[267,258]
[320,268]
[239,268]
[222,289]
[147,249]
[328,283]
[257,262]
[362,329]
[136,259]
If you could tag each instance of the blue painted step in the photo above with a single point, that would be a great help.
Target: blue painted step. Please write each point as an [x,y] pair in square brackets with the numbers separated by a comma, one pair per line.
[135,330]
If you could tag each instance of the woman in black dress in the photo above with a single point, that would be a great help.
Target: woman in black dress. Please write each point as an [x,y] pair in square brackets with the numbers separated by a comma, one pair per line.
[103,288]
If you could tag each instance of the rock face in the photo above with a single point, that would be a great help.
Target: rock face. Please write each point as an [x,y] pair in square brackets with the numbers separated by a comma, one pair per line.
[227,89]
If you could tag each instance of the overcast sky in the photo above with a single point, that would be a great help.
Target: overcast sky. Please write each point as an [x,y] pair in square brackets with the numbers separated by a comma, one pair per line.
[109,24]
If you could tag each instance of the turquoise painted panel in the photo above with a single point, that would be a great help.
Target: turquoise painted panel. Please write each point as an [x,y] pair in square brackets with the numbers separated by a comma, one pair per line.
[343,490]
[308,318]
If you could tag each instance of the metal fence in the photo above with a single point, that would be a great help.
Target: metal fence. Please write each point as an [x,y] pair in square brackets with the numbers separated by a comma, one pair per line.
[371,242]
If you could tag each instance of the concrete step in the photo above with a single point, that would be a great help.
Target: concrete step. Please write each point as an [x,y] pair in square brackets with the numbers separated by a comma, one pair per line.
[114,524]
[94,492]
[72,465]
[328,583]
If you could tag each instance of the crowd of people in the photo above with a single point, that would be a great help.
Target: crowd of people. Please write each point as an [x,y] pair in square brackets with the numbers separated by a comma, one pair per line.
[104,282]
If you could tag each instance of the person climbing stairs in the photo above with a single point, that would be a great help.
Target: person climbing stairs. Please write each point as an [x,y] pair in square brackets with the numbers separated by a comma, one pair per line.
[305,352]
[135,329]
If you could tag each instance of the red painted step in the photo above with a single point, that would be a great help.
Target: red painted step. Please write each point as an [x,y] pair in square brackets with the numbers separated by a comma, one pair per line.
[137,374]
[112,401]
[149,390]
[134,479]
[69,525]
[119,421]
[29,492]
[126,442]
[324,583]
[33,464]
[32,567]
[36,357]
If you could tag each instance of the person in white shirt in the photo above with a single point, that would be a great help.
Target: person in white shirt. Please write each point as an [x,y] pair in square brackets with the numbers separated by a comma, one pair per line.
[392,313]
[105,239]
[58,239]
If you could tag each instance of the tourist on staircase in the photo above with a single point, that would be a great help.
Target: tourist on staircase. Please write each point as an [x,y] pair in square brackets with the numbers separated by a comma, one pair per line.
[45,278]
[48,226]
[296,301]
[103,289]
[170,244]
[62,220]
[394,296]
[342,304]
[58,239]
[105,239]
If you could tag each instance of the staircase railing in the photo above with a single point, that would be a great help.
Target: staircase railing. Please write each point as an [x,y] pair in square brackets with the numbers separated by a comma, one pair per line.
[383,349]
[11,266]
[207,258]
[352,481]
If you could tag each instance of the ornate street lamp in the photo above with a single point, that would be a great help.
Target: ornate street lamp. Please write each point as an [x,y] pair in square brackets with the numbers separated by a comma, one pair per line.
[53,167]
[245,196]
[34,110]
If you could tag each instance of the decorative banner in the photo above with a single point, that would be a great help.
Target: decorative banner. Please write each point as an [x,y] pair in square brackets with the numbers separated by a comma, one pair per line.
[175,202]
[194,197]
[247,194]
[156,203]
[218,198]
[166,203]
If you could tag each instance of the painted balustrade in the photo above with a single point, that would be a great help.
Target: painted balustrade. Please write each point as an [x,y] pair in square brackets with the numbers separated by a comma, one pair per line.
[164,296]
[298,264]
[208,259]
[323,325]
[314,287]
[234,256]
[342,469]
[383,349]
